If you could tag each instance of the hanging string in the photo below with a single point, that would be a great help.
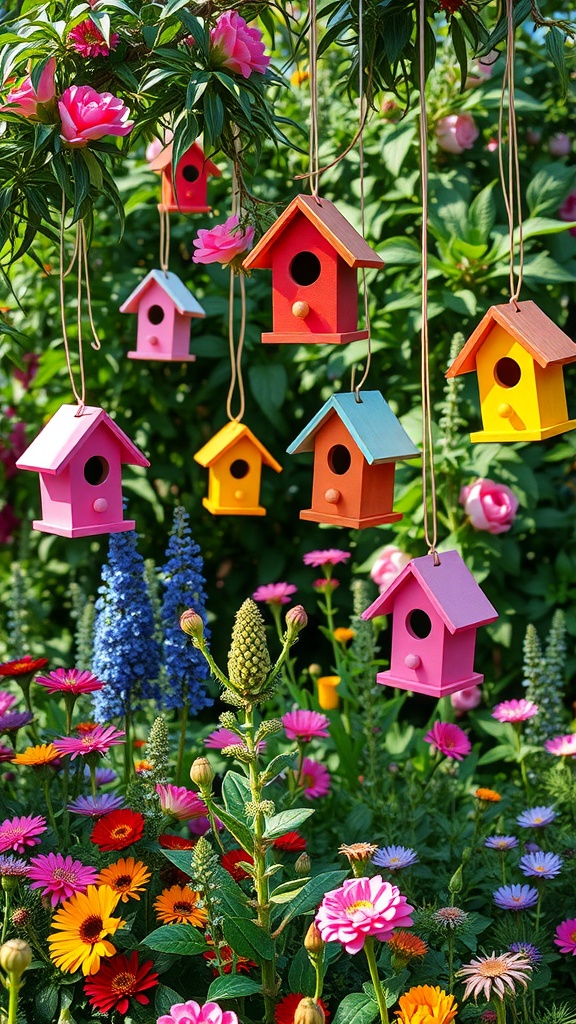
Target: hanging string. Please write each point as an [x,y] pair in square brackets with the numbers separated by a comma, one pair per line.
[80,397]
[427,438]
[236,353]
[313,64]
[164,238]
[511,187]
[363,112]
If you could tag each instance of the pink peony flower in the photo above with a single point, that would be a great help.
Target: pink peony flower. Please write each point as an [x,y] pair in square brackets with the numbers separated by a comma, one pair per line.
[388,565]
[222,243]
[360,908]
[568,210]
[192,1013]
[466,700]
[449,739]
[237,46]
[560,144]
[562,746]
[87,39]
[87,115]
[489,506]
[181,803]
[515,710]
[456,132]
[566,936]
[274,593]
[315,778]
[330,556]
[24,99]
[304,726]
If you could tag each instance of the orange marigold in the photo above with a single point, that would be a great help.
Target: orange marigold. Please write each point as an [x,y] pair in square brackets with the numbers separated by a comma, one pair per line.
[489,795]
[406,947]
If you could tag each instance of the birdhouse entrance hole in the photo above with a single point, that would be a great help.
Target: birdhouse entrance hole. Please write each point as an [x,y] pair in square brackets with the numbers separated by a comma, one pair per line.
[507,372]
[96,470]
[239,469]
[419,624]
[190,173]
[305,268]
[155,314]
[339,459]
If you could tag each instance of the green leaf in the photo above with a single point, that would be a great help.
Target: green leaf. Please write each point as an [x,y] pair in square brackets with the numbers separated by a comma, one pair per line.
[482,214]
[356,1008]
[236,792]
[182,939]
[236,828]
[166,998]
[247,938]
[459,44]
[549,187]
[277,764]
[231,986]
[94,168]
[556,50]
[213,119]
[398,251]
[287,890]
[312,894]
[397,143]
[286,821]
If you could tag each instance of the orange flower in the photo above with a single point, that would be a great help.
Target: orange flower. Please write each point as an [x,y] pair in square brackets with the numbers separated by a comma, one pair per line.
[342,635]
[405,946]
[179,905]
[127,877]
[298,77]
[488,795]
[423,1002]
[41,754]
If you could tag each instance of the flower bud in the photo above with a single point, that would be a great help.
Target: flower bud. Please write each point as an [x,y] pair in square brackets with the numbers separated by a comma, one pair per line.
[191,623]
[202,773]
[313,941]
[308,1012]
[15,956]
[315,670]
[296,619]
[303,865]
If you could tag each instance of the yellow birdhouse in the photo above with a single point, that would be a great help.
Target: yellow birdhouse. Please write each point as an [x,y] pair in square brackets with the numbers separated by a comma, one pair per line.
[234,458]
[518,354]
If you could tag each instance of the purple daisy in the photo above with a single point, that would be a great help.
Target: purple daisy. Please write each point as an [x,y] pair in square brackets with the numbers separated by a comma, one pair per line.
[12,867]
[515,897]
[532,953]
[501,842]
[103,775]
[395,857]
[14,720]
[96,806]
[541,865]
[60,877]
[536,817]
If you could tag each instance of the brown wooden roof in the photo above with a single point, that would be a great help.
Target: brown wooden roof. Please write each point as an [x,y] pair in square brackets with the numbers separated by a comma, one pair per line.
[528,325]
[331,224]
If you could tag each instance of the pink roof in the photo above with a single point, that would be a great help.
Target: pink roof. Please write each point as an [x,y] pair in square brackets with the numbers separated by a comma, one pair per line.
[451,588]
[55,445]
[164,159]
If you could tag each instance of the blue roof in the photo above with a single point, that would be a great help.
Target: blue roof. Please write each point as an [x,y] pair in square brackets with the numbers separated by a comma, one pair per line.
[370,422]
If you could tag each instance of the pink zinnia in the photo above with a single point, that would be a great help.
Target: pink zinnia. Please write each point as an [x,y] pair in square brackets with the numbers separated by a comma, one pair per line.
[449,739]
[60,877]
[325,585]
[6,701]
[304,726]
[274,593]
[515,710]
[222,243]
[88,40]
[70,680]
[315,778]
[18,833]
[237,46]
[98,741]
[562,746]
[180,803]
[193,1013]
[331,556]
[566,936]
[221,738]
[360,908]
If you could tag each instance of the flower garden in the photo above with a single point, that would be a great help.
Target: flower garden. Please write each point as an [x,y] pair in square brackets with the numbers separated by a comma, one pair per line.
[287,709]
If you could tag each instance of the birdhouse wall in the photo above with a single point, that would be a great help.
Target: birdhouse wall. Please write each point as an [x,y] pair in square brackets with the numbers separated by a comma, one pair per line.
[157,326]
[234,479]
[86,497]
[192,181]
[365,490]
[181,336]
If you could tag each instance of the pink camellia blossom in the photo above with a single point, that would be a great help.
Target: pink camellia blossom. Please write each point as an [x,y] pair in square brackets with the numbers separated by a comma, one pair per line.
[24,99]
[87,115]
[489,506]
[560,144]
[70,680]
[274,593]
[237,46]
[87,39]
[562,746]
[98,741]
[303,726]
[222,738]
[566,936]
[314,777]
[180,803]
[568,210]
[18,833]
[360,908]
[388,565]
[456,132]
[60,877]
[466,700]
[515,710]
[222,243]
[192,1013]
[449,739]
[330,556]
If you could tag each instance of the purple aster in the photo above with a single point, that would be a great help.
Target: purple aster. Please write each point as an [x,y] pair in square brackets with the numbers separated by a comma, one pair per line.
[532,953]
[96,806]
[536,817]
[515,897]
[14,720]
[103,775]
[501,842]
[395,857]
[541,865]
[12,867]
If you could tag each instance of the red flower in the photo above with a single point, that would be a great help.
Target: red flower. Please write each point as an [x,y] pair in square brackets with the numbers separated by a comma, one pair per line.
[23,667]
[227,958]
[291,841]
[451,6]
[168,842]
[118,829]
[286,1008]
[83,728]
[117,980]
[230,861]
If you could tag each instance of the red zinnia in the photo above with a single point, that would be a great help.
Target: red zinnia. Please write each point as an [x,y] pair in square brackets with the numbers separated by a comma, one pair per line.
[451,6]
[23,667]
[118,829]
[286,1008]
[168,842]
[291,841]
[117,980]
[230,861]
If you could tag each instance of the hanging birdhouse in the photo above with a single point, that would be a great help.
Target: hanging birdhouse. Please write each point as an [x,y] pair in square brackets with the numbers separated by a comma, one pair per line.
[518,355]
[436,611]
[314,254]
[234,459]
[79,455]
[165,309]
[189,194]
[356,446]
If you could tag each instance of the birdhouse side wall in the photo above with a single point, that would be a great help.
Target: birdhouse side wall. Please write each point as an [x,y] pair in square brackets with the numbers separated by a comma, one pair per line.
[459,656]
[192,193]
[551,394]
[181,336]
[56,499]
[168,197]
[321,296]
[155,298]
[228,491]
[99,460]
[347,296]
[365,490]
[405,644]
[522,397]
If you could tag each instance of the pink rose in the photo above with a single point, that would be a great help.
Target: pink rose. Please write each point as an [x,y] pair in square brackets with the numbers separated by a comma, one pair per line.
[87,114]
[237,46]
[568,210]
[490,506]
[222,243]
[388,565]
[87,39]
[560,144]
[466,700]
[456,132]
[25,99]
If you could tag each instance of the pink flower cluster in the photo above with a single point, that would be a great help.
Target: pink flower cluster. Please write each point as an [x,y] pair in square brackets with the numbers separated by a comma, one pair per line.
[456,133]
[88,40]
[25,98]
[237,46]
[489,506]
[87,115]
[390,562]
[222,243]
[360,908]
[192,1013]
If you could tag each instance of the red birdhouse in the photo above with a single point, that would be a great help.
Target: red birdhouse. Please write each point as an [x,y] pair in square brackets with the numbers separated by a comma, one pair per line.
[165,308]
[436,612]
[356,445]
[190,194]
[79,455]
[314,254]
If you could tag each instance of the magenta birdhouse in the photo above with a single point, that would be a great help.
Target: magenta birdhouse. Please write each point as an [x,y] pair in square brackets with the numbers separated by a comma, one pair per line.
[79,455]
[189,193]
[165,308]
[314,254]
[436,611]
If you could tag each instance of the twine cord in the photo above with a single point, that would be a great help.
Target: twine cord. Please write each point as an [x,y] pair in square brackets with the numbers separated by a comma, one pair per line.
[80,397]
[236,352]
[511,184]
[363,113]
[164,239]
[314,158]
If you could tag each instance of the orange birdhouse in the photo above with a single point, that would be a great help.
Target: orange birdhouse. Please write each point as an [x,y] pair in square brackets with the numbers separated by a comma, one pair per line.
[356,445]
[234,458]
[518,354]
[314,254]
[189,194]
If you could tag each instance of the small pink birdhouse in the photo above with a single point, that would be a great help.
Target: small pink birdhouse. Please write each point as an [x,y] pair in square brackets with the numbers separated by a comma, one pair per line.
[314,254]
[165,309]
[190,195]
[79,455]
[436,612]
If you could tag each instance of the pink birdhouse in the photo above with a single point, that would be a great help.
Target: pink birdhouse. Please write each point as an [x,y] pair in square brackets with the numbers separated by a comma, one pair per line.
[436,612]
[79,455]
[165,309]
[314,254]
[192,172]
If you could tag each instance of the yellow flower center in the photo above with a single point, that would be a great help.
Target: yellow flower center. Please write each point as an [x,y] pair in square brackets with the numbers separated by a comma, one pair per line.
[359,905]
[492,968]
[120,832]
[123,983]
[90,930]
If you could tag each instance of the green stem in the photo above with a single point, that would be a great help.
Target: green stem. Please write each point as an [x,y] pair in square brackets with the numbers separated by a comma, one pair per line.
[7,906]
[521,761]
[93,779]
[503,864]
[182,742]
[500,1011]
[538,908]
[319,971]
[276,610]
[49,807]
[451,961]
[14,987]
[380,996]
[128,759]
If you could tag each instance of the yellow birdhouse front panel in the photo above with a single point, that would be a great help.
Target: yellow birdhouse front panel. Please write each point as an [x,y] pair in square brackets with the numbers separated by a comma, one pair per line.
[234,458]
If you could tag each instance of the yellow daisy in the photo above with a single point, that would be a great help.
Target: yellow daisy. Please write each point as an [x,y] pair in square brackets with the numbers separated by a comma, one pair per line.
[423,1004]
[37,756]
[178,905]
[126,877]
[83,922]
